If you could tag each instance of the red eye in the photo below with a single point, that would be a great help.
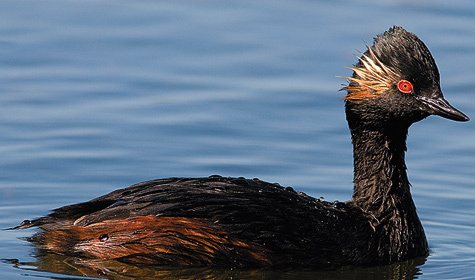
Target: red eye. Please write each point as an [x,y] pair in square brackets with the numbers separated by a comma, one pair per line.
[404,86]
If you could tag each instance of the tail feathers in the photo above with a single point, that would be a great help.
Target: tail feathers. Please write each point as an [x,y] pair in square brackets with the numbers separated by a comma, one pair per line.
[67,213]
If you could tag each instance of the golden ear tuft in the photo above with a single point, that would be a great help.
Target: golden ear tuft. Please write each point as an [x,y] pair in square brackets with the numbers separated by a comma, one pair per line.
[371,79]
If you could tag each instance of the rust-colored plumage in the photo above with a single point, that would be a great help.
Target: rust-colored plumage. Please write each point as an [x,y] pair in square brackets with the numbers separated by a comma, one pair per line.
[155,240]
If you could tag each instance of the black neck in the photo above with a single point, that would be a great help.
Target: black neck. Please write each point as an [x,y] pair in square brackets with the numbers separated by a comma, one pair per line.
[380,179]
[381,187]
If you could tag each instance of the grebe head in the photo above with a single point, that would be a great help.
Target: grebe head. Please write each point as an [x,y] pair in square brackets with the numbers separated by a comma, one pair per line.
[397,80]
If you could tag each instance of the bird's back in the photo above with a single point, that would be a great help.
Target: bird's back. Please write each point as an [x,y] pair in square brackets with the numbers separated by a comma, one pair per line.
[202,221]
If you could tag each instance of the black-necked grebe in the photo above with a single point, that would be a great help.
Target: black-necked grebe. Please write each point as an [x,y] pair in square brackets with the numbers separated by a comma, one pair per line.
[218,221]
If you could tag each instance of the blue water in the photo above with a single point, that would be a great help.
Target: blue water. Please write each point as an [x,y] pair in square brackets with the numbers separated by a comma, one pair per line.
[97,95]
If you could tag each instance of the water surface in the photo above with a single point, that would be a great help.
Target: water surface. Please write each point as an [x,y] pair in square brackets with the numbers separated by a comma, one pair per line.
[98,95]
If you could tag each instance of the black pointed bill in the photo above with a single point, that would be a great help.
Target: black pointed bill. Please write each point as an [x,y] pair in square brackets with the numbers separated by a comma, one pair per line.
[441,107]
